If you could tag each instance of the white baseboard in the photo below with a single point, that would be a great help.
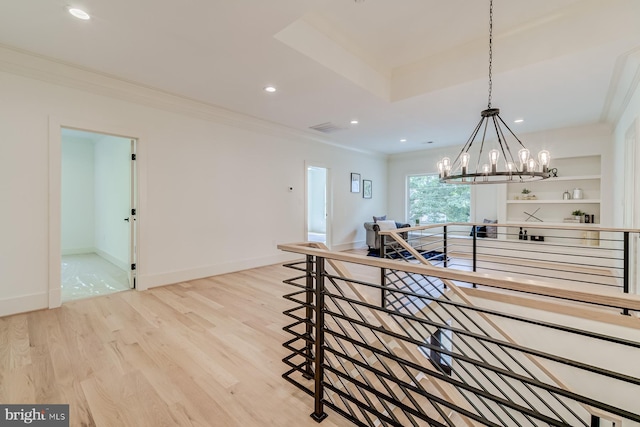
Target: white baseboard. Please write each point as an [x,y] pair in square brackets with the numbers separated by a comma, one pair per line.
[146,281]
[81,251]
[23,304]
[77,251]
[348,246]
[118,263]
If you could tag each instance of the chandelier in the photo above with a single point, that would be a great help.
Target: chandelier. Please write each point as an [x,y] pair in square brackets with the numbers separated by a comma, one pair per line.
[522,167]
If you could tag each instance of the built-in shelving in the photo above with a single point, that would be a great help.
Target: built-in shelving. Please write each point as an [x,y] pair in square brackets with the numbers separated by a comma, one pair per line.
[549,204]
[559,202]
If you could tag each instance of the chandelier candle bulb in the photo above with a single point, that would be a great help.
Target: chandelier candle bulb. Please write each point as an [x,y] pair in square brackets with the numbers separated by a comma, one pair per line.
[511,167]
[464,162]
[494,155]
[544,158]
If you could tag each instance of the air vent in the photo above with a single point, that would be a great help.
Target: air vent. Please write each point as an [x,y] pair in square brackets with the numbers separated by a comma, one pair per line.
[328,127]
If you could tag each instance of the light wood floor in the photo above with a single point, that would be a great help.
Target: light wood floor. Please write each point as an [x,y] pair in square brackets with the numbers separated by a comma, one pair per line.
[202,353]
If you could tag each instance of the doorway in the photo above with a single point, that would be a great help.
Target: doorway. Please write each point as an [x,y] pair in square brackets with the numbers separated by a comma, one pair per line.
[318,204]
[97,228]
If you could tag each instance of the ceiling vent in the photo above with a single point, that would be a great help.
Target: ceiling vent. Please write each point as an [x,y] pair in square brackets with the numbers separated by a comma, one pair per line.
[328,127]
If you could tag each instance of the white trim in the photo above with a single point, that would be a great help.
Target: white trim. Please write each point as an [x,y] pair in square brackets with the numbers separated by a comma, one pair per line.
[55,187]
[31,65]
[173,277]
[121,265]
[78,251]
[23,304]
[55,213]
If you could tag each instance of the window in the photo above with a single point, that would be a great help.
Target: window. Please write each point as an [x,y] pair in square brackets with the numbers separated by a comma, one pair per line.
[432,202]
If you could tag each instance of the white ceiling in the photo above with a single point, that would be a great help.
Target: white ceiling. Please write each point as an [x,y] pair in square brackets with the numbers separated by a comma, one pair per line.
[414,69]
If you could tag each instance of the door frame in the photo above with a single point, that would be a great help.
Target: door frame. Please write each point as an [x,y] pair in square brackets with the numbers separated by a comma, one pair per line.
[55,194]
[631,207]
[329,201]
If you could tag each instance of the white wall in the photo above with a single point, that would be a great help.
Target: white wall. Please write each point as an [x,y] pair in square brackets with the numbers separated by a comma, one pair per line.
[567,142]
[213,184]
[77,196]
[113,199]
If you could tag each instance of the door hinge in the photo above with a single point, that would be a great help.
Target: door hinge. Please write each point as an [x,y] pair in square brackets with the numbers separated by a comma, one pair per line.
[133,157]
[133,266]
[133,211]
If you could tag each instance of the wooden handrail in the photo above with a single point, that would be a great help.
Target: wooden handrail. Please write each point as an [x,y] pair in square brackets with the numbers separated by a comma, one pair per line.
[531,286]
[344,272]
[508,284]
[535,225]
[463,296]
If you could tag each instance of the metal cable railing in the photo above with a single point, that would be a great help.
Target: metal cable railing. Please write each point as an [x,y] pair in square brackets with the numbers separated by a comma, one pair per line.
[385,364]
[443,314]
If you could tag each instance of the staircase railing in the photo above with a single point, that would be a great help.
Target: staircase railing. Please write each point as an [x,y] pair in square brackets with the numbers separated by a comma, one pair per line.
[586,257]
[431,356]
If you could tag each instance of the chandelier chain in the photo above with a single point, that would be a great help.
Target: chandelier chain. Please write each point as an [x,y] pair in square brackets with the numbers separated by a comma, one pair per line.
[490,50]
[458,171]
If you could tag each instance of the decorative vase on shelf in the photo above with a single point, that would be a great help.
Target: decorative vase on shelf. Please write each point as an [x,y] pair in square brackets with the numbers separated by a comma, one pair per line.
[577,193]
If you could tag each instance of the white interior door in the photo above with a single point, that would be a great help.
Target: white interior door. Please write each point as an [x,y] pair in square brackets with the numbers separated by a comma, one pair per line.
[132,217]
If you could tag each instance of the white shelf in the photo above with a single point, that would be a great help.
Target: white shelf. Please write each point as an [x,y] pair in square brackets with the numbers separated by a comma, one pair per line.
[573,178]
[575,172]
[543,201]
[554,223]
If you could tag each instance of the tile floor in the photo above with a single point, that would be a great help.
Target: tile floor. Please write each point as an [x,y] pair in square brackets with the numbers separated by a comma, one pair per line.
[316,237]
[89,275]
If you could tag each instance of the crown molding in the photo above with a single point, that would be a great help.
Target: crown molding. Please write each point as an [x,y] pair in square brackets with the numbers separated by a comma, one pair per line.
[28,64]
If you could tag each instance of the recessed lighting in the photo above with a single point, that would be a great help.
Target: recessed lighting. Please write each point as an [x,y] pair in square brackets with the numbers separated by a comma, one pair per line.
[270,89]
[354,122]
[79,13]
[403,140]
[518,121]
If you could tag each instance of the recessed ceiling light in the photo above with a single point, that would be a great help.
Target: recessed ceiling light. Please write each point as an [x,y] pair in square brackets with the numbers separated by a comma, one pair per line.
[403,140]
[354,122]
[270,89]
[79,13]
[518,121]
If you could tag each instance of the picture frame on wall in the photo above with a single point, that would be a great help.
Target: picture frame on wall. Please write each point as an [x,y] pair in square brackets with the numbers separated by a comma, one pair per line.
[355,182]
[367,188]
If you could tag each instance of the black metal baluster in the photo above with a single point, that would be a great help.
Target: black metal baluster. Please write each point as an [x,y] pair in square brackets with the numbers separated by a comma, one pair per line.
[318,413]
[475,251]
[446,254]
[625,273]
[383,290]
[308,314]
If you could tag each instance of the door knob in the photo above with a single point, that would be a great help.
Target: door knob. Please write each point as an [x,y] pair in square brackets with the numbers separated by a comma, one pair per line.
[126,219]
